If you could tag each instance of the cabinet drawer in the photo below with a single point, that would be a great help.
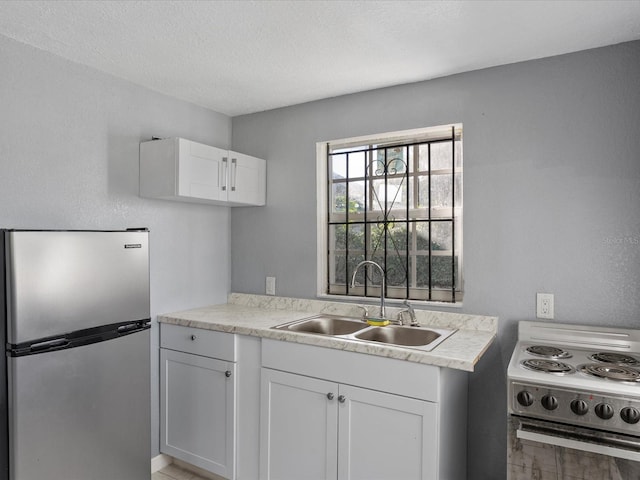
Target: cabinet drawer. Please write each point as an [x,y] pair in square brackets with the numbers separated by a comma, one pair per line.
[208,343]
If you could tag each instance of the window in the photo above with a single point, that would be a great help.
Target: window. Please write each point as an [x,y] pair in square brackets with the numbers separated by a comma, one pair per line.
[395,199]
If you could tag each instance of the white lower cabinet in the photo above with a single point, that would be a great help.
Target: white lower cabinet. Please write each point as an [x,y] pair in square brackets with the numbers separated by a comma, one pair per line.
[385,436]
[198,400]
[299,427]
[244,408]
[316,429]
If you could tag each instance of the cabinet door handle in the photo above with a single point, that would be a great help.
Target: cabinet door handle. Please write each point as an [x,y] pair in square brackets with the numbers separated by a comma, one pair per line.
[234,171]
[342,398]
[225,164]
[330,395]
[193,338]
[227,373]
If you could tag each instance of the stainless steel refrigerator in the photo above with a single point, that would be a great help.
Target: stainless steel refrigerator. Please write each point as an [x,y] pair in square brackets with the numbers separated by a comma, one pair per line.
[75,386]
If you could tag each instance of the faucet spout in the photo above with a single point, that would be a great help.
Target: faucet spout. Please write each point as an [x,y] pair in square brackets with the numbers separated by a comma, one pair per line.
[353,282]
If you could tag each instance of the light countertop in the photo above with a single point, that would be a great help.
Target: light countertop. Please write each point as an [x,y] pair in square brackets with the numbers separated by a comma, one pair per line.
[254,315]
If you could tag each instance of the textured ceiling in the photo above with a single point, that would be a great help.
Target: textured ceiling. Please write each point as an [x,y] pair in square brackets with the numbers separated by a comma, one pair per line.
[240,57]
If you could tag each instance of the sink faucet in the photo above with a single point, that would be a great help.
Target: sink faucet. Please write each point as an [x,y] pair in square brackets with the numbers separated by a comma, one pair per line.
[412,314]
[353,283]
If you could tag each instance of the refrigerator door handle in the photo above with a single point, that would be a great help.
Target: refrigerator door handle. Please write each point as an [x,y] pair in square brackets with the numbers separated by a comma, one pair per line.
[129,328]
[50,344]
[79,338]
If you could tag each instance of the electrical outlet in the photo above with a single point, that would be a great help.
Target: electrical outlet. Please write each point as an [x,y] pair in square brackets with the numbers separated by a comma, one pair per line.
[270,286]
[544,305]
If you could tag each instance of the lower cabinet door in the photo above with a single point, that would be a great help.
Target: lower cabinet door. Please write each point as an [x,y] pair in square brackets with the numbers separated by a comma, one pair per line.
[197,405]
[384,436]
[298,435]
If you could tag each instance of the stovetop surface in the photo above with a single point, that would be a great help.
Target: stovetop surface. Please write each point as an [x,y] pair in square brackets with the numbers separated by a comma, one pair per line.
[577,357]
[570,371]
[573,393]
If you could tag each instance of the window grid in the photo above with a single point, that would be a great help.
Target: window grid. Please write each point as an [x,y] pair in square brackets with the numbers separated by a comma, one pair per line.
[378,249]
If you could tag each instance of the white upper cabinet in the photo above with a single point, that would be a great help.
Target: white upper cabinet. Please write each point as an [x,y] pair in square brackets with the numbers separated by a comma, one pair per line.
[246,179]
[179,169]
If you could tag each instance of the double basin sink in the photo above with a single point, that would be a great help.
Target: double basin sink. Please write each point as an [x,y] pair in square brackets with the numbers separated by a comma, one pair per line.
[349,328]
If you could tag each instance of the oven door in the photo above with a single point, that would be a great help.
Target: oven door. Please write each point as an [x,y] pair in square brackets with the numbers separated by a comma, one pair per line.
[544,449]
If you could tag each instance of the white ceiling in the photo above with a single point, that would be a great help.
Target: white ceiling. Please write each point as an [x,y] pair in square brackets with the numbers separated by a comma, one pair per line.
[239,57]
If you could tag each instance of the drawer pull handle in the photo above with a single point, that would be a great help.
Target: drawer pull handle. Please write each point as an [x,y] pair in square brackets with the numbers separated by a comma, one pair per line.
[330,395]
[227,373]
[193,338]
[342,398]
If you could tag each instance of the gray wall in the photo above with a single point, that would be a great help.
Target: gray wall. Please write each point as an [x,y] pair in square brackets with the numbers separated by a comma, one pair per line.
[69,140]
[551,193]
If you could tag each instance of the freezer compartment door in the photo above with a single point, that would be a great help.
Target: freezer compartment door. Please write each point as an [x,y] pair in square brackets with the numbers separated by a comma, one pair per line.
[82,413]
[63,281]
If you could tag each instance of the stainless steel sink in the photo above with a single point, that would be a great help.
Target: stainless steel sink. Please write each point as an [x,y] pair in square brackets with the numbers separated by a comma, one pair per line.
[349,328]
[405,336]
[325,325]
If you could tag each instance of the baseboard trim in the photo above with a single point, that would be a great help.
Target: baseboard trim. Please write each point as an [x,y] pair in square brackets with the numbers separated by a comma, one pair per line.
[160,461]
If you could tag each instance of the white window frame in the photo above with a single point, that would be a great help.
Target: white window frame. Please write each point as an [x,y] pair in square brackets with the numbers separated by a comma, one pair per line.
[404,136]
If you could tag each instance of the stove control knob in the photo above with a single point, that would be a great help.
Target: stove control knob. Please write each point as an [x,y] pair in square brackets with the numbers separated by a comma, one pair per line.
[525,398]
[549,402]
[579,407]
[604,411]
[630,415]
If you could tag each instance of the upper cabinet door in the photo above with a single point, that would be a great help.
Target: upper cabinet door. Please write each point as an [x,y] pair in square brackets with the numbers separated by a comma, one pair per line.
[202,171]
[179,169]
[247,179]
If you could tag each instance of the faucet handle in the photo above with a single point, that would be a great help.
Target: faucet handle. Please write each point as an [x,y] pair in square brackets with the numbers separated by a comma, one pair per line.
[411,312]
[365,312]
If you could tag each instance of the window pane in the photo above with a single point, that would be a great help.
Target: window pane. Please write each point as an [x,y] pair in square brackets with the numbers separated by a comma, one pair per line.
[356,238]
[422,270]
[396,160]
[338,166]
[337,253]
[441,271]
[423,157]
[396,265]
[339,197]
[396,194]
[377,196]
[357,164]
[422,239]
[337,270]
[376,241]
[441,156]
[442,190]
[441,236]
[356,197]
[337,238]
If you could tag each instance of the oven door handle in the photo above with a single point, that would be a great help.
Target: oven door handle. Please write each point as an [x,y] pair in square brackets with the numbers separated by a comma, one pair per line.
[613,447]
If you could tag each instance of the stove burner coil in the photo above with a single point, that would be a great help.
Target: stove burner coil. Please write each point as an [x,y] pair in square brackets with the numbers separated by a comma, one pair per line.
[618,373]
[615,358]
[547,366]
[547,351]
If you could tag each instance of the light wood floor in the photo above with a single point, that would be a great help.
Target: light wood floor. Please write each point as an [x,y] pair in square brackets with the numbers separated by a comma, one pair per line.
[174,472]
